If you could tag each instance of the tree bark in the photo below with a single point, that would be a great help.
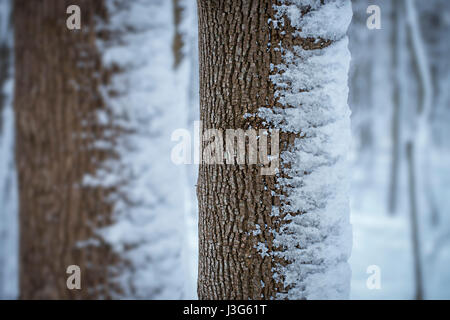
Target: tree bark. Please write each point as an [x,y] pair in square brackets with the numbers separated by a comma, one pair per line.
[234,80]
[57,96]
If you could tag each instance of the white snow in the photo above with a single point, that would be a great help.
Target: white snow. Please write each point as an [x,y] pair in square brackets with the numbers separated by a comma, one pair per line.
[330,22]
[152,102]
[8,179]
[312,85]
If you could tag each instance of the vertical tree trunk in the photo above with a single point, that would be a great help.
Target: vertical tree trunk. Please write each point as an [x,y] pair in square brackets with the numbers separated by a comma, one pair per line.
[398,43]
[419,138]
[283,235]
[90,105]
[234,80]
[412,195]
[56,101]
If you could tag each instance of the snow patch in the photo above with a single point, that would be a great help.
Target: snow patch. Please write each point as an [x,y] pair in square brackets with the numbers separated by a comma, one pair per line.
[148,205]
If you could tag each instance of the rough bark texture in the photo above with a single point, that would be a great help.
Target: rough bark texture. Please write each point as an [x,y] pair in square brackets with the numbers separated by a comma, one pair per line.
[56,99]
[235,61]
[234,80]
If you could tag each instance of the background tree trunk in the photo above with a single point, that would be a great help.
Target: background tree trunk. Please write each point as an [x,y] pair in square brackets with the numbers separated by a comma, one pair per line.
[398,101]
[413,209]
[58,74]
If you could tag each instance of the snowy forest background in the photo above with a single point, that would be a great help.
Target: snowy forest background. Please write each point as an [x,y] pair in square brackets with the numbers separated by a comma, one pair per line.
[399,92]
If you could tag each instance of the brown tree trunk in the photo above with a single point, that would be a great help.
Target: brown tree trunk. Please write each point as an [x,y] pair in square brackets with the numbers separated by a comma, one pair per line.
[237,46]
[58,74]
[234,80]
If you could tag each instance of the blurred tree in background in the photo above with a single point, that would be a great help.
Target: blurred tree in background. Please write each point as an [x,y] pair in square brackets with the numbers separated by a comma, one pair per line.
[399,153]
[94,113]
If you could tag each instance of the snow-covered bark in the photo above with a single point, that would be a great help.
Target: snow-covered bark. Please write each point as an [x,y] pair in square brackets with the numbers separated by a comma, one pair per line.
[314,237]
[8,180]
[147,98]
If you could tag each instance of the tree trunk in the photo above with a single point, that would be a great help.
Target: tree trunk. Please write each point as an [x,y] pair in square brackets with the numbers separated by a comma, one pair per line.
[415,239]
[418,139]
[234,80]
[56,100]
[398,101]
[256,241]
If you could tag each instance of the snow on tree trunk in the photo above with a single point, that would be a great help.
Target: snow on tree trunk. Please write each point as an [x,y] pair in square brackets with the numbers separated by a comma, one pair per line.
[311,85]
[191,246]
[147,97]
[8,179]
[277,65]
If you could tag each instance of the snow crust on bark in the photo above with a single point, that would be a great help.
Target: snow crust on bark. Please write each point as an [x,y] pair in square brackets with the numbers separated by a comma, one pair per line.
[315,236]
[147,101]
